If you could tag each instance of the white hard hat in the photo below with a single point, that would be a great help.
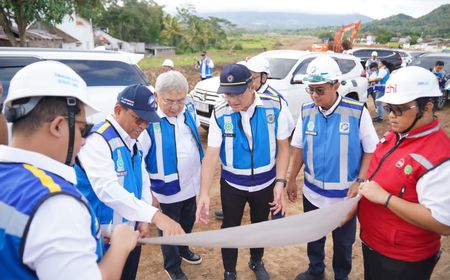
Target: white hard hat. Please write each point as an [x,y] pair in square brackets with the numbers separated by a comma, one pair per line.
[410,83]
[258,64]
[321,70]
[48,78]
[374,53]
[168,63]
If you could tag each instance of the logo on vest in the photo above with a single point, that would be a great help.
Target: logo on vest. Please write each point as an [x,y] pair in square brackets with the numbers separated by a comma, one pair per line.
[270,118]
[344,127]
[156,127]
[310,129]
[228,127]
[408,169]
[190,107]
[400,163]
[120,167]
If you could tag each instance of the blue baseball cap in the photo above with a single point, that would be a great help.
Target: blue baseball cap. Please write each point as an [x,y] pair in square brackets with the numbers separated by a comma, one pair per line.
[234,79]
[141,100]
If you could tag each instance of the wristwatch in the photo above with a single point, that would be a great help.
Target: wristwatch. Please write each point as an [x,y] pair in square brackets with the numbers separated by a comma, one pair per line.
[279,180]
[359,180]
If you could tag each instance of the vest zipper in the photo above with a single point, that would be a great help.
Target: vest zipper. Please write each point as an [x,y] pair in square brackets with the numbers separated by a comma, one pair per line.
[399,141]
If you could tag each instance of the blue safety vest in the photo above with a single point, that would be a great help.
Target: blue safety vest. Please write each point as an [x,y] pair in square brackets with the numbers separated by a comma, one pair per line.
[128,170]
[23,189]
[380,86]
[332,149]
[242,164]
[161,160]
[270,91]
[208,70]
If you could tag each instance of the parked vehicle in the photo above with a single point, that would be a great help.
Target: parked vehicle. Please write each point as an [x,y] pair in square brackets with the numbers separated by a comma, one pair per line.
[406,57]
[427,61]
[287,68]
[391,56]
[106,73]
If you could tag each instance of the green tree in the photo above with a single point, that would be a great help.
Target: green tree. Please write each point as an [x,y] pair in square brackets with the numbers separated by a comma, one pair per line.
[135,20]
[24,12]
[200,33]
[172,33]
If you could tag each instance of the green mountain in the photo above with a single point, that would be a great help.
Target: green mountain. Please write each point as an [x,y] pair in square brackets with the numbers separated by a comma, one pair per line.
[434,24]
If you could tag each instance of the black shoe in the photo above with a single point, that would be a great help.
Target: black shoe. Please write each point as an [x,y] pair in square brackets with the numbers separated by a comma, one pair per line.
[307,276]
[229,275]
[218,214]
[176,275]
[259,269]
[191,257]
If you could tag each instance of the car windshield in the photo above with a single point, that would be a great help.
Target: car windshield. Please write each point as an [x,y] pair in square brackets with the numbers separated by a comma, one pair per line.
[93,72]
[106,73]
[280,67]
[428,62]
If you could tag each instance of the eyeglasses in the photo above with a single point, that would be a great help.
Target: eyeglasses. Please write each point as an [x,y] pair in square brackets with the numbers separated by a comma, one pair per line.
[233,96]
[86,129]
[137,120]
[170,102]
[318,90]
[397,110]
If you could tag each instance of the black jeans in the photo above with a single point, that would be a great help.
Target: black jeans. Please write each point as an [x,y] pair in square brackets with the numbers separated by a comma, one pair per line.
[233,204]
[378,266]
[343,239]
[182,212]
[131,265]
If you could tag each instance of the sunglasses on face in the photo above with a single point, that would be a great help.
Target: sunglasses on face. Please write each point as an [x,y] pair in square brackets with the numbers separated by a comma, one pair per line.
[318,90]
[397,110]
[87,127]
[137,120]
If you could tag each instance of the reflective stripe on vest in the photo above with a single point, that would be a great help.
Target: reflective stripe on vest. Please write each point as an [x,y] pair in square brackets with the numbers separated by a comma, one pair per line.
[320,137]
[239,160]
[124,164]
[161,160]
[24,189]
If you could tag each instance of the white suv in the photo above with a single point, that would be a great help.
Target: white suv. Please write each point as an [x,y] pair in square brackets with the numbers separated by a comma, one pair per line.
[287,68]
[106,73]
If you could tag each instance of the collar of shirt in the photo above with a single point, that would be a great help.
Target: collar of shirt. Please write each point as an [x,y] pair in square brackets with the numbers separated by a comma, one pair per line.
[122,133]
[172,120]
[16,155]
[332,108]
[251,108]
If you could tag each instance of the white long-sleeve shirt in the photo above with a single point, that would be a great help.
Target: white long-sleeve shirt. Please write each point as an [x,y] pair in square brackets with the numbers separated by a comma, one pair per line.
[59,243]
[95,157]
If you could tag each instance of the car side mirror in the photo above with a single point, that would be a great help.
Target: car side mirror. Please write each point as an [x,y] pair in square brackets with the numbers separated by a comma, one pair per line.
[297,79]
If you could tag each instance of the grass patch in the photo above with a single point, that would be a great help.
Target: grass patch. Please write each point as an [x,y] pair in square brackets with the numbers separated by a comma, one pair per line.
[246,45]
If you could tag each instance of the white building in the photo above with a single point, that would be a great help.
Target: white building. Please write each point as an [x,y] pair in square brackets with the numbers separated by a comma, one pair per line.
[79,28]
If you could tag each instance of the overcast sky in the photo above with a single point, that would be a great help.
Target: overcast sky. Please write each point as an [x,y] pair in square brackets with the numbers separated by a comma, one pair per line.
[376,9]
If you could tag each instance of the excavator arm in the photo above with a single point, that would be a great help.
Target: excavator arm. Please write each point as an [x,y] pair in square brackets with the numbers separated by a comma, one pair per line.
[355,26]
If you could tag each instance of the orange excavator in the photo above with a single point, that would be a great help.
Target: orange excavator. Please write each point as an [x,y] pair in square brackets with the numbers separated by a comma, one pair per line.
[336,44]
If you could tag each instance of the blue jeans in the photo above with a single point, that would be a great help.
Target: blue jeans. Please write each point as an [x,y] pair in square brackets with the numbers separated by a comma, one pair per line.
[343,239]
[379,105]
[182,212]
